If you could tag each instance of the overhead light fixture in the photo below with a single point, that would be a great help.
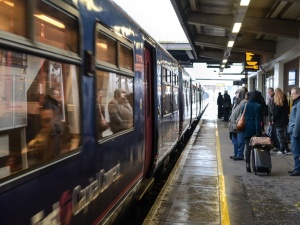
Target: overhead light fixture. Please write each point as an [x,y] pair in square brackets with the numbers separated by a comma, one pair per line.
[50,20]
[230,43]
[244,2]
[236,27]
[224,61]
[223,66]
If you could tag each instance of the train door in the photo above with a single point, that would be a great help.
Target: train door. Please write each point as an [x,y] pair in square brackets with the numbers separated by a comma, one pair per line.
[148,99]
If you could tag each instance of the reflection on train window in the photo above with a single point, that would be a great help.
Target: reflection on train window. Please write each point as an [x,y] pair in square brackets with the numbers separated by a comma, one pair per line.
[106,49]
[166,92]
[114,103]
[126,58]
[12,17]
[51,26]
[55,28]
[39,110]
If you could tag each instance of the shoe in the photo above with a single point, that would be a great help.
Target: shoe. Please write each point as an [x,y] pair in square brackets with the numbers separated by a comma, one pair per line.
[238,158]
[248,167]
[287,152]
[232,156]
[279,153]
[295,173]
[291,171]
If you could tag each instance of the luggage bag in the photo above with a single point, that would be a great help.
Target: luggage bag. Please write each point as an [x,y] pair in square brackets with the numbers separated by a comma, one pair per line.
[261,160]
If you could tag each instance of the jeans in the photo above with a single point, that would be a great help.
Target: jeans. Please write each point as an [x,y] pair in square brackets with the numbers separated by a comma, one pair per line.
[295,147]
[282,138]
[238,142]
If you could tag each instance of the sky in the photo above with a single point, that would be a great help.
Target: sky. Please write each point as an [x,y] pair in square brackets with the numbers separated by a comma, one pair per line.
[159,19]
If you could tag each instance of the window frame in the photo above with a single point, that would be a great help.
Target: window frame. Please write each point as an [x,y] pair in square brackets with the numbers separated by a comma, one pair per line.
[28,45]
[116,69]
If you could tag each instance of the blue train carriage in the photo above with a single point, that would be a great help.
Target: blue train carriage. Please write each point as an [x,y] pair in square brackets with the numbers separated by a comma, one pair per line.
[90,106]
[58,164]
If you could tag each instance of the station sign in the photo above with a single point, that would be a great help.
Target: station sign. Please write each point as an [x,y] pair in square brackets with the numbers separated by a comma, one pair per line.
[251,61]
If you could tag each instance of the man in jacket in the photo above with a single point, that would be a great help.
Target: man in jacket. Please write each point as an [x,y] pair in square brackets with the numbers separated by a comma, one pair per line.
[294,130]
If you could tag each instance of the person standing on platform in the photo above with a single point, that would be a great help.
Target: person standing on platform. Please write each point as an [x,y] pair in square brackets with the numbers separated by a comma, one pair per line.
[294,130]
[226,105]
[220,105]
[237,137]
[280,120]
[271,95]
[253,115]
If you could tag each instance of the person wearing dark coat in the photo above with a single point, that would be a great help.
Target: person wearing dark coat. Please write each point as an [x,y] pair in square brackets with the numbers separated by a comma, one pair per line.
[294,130]
[226,105]
[281,120]
[253,115]
[220,105]
[51,103]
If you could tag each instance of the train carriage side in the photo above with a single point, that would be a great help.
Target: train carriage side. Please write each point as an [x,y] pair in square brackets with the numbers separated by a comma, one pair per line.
[98,64]
[99,165]
[40,111]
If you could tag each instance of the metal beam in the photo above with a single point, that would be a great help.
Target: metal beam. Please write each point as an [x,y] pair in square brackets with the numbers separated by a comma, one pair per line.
[210,19]
[283,28]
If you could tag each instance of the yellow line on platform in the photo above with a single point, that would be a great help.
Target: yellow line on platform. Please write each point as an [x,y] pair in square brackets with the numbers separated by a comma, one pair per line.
[225,219]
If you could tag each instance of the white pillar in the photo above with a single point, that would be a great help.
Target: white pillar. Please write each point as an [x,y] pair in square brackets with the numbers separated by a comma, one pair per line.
[278,75]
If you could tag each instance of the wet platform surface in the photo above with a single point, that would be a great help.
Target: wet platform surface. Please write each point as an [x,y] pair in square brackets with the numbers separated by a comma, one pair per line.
[207,187]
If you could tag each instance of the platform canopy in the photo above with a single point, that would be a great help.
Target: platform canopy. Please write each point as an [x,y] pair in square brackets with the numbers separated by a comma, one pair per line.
[209,27]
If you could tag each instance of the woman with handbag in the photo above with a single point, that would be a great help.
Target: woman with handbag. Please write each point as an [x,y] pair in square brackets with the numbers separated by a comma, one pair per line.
[237,137]
[253,116]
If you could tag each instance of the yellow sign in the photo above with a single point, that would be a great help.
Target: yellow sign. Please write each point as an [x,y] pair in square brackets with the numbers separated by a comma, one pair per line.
[252,61]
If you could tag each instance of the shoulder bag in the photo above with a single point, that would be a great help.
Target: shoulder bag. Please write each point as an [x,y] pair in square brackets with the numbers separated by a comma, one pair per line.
[240,126]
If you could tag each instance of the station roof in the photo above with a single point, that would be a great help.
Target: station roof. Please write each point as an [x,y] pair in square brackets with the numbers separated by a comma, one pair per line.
[208,26]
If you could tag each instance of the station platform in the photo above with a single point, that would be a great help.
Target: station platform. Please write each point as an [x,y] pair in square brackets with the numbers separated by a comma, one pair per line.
[207,187]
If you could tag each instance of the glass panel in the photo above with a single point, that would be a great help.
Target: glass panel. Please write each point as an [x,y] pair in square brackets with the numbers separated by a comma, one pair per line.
[39,110]
[175,98]
[167,99]
[12,17]
[106,49]
[56,28]
[114,107]
[126,58]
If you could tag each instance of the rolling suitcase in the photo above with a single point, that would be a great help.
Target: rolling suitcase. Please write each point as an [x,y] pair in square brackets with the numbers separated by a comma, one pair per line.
[261,160]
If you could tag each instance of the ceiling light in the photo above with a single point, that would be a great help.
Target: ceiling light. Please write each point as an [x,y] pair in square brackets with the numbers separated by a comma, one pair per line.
[244,2]
[230,43]
[236,28]
[223,66]
[50,20]
[224,61]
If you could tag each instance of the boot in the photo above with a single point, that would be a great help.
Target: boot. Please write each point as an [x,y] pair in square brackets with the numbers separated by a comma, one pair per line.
[248,167]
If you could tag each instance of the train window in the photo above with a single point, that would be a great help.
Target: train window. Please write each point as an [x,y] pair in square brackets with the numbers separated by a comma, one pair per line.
[126,58]
[39,110]
[12,17]
[114,106]
[106,49]
[55,28]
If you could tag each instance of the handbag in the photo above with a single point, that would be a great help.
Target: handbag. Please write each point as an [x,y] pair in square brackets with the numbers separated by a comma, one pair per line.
[240,126]
[264,142]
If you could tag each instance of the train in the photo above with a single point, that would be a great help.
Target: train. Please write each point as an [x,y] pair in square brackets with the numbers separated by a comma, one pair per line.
[91,107]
